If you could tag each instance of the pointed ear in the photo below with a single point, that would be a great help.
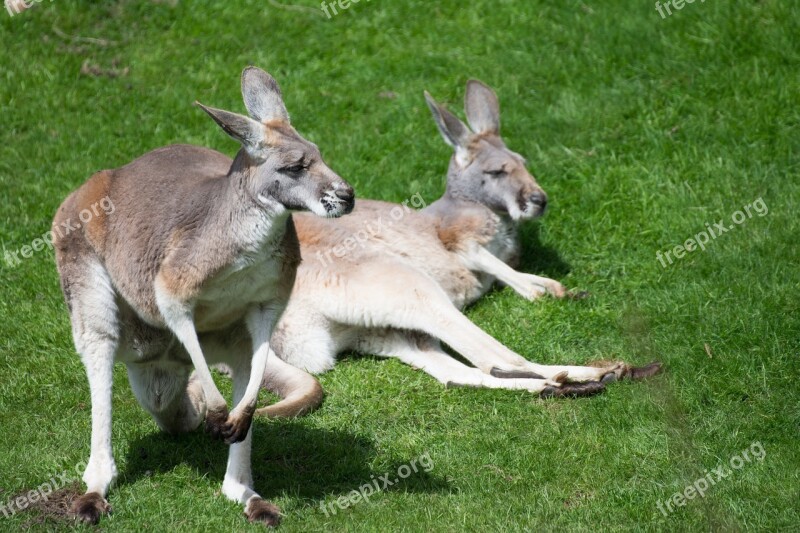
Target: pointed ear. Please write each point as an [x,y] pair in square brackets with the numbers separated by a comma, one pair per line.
[262,96]
[454,132]
[244,129]
[482,107]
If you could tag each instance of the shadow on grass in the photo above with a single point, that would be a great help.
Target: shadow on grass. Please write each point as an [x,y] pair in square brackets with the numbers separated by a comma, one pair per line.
[289,458]
[539,259]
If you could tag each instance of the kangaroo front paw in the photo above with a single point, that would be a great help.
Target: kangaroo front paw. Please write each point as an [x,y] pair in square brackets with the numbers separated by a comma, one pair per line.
[531,292]
[217,422]
[90,507]
[260,510]
[230,427]
[535,287]
[238,424]
[556,290]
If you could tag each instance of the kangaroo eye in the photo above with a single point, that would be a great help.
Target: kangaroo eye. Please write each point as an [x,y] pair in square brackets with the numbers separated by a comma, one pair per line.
[294,168]
[495,173]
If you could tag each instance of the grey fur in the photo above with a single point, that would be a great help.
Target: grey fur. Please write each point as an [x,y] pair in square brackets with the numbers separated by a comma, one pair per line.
[193,267]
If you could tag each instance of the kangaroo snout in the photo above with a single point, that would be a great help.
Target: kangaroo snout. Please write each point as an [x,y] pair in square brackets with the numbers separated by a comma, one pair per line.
[338,199]
[347,195]
[531,203]
[539,199]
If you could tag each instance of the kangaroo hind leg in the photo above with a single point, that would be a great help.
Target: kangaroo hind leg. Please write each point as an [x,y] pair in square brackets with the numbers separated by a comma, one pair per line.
[424,353]
[91,300]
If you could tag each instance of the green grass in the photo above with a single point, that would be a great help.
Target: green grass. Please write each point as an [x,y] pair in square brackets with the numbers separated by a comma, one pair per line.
[641,130]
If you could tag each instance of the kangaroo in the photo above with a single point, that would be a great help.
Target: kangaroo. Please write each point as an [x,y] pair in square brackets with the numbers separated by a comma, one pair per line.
[193,266]
[398,294]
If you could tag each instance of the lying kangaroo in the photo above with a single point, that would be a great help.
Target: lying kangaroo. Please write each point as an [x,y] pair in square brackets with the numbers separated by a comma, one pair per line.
[194,267]
[399,293]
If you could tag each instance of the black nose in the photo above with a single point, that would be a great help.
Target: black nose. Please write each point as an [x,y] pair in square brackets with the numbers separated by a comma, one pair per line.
[539,198]
[348,196]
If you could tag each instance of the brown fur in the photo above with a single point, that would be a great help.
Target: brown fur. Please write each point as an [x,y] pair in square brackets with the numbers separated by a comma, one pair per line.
[259,510]
[97,189]
[90,507]
[459,231]
[295,405]
[145,218]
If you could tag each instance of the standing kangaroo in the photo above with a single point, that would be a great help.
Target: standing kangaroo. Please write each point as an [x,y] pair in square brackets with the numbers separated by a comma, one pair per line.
[193,267]
[399,293]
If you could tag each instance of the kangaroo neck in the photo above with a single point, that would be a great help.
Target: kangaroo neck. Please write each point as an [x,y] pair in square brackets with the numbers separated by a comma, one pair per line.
[242,216]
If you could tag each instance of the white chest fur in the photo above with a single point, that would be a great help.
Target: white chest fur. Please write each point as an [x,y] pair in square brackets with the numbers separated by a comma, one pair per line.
[505,243]
[254,276]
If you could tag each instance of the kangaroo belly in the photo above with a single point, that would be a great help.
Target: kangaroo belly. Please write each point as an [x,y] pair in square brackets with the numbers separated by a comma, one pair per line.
[379,231]
[142,343]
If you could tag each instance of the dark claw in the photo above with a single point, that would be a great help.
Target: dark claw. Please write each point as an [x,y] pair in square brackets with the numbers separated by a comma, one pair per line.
[611,377]
[235,435]
[237,428]
[645,371]
[90,507]
[507,374]
[259,510]
[578,295]
[454,385]
[549,392]
[573,390]
[576,390]
[217,422]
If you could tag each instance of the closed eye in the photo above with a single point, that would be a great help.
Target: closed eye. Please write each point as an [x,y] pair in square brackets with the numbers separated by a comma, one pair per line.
[495,173]
[294,169]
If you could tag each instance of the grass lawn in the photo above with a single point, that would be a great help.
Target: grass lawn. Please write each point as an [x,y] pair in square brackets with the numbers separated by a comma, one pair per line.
[642,130]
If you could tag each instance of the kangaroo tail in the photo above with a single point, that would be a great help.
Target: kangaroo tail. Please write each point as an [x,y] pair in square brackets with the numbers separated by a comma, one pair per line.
[300,392]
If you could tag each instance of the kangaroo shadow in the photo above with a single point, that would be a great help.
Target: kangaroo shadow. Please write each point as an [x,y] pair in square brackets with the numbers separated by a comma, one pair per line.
[536,258]
[289,458]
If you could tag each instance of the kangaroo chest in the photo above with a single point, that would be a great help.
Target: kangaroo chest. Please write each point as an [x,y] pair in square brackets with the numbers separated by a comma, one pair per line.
[503,244]
[260,273]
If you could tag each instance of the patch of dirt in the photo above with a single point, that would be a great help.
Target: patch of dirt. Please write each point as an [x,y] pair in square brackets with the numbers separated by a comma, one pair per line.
[92,69]
[502,473]
[55,508]
[577,499]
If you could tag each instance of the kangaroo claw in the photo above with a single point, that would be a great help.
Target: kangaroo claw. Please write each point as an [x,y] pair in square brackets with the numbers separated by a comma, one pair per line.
[508,374]
[573,390]
[646,371]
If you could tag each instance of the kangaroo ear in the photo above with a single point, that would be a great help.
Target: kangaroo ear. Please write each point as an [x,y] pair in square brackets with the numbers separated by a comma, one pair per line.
[482,107]
[454,132]
[262,96]
[244,129]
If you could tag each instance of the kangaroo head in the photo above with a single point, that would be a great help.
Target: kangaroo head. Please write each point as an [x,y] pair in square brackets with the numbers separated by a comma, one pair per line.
[277,166]
[483,169]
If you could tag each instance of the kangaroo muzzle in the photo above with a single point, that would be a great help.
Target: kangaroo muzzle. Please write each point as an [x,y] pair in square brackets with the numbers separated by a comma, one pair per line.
[339,199]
